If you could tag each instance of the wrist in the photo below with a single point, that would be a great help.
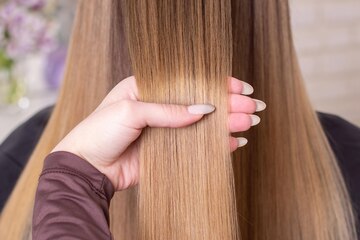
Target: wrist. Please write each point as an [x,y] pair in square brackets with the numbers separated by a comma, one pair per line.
[107,171]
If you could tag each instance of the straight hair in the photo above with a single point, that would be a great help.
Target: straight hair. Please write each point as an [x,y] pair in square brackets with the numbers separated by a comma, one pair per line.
[285,184]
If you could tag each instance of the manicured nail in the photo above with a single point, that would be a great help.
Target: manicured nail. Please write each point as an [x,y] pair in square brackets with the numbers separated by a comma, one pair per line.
[260,105]
[201,108]
[242,141]
[247,89]
[254,120]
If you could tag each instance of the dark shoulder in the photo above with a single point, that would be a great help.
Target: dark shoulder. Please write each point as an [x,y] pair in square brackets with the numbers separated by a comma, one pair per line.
[20,143]
[344,138]
[335,126]
[17,148]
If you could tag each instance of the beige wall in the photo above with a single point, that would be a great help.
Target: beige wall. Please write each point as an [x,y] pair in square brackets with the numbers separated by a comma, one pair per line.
[327,38]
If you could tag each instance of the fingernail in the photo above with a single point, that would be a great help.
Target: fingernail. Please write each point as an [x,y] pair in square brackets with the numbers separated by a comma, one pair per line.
[247,89]
[242,141]
[260,105]
[254,120]
[201,108]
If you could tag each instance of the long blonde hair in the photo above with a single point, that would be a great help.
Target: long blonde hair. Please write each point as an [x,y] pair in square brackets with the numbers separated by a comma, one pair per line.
[285,184]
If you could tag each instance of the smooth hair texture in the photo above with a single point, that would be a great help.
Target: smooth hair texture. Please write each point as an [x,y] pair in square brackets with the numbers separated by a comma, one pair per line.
[181,54]
[285,184]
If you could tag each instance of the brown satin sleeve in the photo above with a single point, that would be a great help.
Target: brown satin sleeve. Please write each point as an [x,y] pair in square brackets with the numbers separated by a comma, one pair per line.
[72,200]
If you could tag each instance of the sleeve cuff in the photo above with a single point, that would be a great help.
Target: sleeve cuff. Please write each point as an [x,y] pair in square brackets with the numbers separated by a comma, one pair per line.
[62,161]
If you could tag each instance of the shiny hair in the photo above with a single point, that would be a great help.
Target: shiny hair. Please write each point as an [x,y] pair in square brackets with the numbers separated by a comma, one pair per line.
[285,184]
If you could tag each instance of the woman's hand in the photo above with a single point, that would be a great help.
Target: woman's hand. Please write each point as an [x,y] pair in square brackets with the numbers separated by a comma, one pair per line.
[106,138]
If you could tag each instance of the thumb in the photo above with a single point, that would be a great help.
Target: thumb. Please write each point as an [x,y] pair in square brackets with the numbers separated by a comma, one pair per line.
[167,115]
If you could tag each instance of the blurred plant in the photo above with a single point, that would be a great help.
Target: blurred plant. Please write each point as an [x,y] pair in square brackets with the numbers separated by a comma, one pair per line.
[24,29]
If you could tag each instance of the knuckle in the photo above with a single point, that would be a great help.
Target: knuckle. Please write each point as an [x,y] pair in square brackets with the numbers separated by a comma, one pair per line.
[170,112]
[126,107]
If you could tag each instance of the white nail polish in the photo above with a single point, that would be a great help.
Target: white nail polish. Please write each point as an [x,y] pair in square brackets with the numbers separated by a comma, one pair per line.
[201,108]
[247,89]
[242,141]
[260,105]
[254,120]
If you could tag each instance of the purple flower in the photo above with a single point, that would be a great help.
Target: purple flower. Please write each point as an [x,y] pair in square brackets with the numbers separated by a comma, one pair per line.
[26,31]
[10,12]
[54,67]
[32,4]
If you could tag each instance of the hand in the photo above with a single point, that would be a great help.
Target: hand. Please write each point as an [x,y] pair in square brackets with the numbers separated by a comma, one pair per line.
[106,138]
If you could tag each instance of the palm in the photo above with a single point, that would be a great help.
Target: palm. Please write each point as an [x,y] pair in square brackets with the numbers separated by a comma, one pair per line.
[128,166]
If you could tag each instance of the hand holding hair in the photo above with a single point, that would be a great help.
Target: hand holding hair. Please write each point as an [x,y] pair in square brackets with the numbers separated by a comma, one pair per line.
[107,137]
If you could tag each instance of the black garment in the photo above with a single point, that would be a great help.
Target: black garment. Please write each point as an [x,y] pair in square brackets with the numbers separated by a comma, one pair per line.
[343,136]
[344,139]
[16,150]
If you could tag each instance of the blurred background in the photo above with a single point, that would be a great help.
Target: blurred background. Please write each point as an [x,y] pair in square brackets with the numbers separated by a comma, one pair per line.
[34,37]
